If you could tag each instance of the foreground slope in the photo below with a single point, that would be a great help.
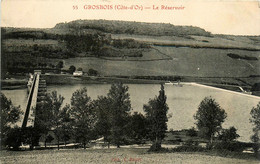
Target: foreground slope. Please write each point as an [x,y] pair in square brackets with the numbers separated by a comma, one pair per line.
[113,156]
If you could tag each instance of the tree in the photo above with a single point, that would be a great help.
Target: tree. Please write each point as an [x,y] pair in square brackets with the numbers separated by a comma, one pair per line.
[57,114]
[156,115]
[83,116]
[120,107]
[60,65]
[62,125]
[255,114]
[255,120]
[209,117]
[49,116]
[10,114]
[72,69]
[104,117]
[65,127]
[43,115]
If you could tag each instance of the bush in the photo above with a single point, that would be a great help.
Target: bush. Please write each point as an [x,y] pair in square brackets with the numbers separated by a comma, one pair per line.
[192,132]
[92,72]
[171,131]
[231,146]
[255,139]
[256,87]
[190,142]
[72,69]
[137,128]
[49,138]
[236,56]
[79,69]
[13,140]
[155,147]
[186,148]
[227,135]
[31,135]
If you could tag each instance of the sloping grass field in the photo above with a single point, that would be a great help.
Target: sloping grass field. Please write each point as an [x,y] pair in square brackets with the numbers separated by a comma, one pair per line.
[203,62]
[121,155]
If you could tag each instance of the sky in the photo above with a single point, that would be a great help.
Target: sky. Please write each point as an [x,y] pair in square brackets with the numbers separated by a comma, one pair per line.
[235,17]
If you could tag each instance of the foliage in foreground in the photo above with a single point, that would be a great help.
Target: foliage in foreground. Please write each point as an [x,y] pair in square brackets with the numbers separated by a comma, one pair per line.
[10,114]
[109,117]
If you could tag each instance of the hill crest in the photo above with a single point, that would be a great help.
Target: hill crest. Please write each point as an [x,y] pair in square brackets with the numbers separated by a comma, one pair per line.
[139,28]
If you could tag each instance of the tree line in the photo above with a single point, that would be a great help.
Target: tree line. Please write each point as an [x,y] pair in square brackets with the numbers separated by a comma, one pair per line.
[110,117]
[85,119]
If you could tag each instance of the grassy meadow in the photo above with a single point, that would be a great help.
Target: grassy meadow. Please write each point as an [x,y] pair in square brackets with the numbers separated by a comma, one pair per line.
[204,62]
[121,155]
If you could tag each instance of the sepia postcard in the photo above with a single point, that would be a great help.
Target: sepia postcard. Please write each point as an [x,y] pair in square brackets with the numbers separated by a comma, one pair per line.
[130,81]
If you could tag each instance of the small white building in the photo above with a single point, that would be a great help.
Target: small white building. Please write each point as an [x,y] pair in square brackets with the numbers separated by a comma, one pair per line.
[78,73]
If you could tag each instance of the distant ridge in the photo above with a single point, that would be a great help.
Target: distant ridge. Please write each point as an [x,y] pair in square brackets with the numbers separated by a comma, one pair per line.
[138,28]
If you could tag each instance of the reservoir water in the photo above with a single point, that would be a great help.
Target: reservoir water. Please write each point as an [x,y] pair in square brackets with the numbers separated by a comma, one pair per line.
[183,102]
